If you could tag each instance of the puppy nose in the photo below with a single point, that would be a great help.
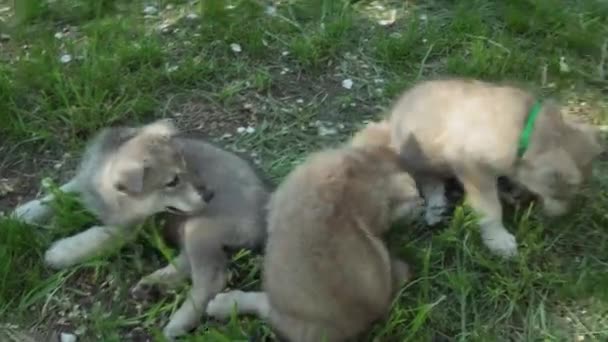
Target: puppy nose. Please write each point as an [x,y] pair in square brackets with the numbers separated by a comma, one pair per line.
[206,194]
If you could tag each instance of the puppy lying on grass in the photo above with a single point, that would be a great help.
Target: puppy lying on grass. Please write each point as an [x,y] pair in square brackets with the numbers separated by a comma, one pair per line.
[128,174]
[327,272]
[477,131]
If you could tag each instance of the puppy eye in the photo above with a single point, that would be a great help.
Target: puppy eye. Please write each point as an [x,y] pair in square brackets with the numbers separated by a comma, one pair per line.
[173,182]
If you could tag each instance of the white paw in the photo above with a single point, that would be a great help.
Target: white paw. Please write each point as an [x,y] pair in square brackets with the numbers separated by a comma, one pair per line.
[33,212]
[171,332]
[222,305]
[59,255]
[500,242]
[433,214]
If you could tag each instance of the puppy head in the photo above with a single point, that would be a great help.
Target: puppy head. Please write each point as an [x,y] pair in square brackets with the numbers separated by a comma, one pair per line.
[374,134]
[561,170]
[583,142]
[150,170]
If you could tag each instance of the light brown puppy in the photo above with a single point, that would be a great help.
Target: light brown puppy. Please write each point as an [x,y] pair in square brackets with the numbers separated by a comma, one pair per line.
[327,272]
[470,130]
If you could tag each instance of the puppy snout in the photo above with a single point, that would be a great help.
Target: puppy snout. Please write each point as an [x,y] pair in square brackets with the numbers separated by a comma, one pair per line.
[206,193]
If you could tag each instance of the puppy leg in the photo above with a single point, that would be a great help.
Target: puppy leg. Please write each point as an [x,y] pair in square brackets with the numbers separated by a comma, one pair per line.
[85,245]
[482,195]
[286,327]
[433,191]
[247,303]
[203,245]
[169,276]
[400,273]
[37,211]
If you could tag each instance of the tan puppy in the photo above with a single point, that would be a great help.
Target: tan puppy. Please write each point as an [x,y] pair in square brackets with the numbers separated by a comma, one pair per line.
[471,130]
[327,273]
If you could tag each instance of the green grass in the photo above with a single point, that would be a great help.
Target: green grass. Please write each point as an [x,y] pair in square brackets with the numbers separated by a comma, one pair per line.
[286,83]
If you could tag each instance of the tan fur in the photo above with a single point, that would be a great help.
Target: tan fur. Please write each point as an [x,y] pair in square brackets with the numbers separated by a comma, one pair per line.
[327,272]
[373,134]
[470,129]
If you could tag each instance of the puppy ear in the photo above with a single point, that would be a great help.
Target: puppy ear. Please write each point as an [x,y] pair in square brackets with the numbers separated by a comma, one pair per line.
[404,199]
[374,134]
[164,128]
[403,185]
[130,178]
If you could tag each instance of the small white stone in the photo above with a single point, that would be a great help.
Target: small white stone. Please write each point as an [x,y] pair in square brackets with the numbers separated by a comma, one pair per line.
[192,16]
[66,58]
[240,130]
[58,35]
[271,10]
[325,131]
[580,338]
[563,66]
[285,53]
[67,337]
[236,47]
[347,83]
[392,16]
[300,101]
[424,17]
[149,10]
[250,129]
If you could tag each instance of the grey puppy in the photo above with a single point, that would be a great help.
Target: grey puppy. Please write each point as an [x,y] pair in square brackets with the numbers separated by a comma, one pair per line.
[131,173]
[327,272]
[477,131]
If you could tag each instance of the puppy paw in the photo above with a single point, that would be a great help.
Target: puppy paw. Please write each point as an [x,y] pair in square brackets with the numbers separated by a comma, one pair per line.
[143,291]
[501,242]
[433,214]
[59,256]
[171,333]
[221,306]
[34,212]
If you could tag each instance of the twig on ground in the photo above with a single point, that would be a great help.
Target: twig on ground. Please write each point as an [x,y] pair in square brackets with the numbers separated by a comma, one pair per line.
[423,62]
[601,71]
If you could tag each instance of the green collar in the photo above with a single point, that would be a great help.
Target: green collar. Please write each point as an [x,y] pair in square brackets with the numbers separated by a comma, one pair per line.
[524,138]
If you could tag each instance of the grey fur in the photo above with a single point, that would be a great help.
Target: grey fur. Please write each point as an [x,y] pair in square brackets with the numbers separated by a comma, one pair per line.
[222,204]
